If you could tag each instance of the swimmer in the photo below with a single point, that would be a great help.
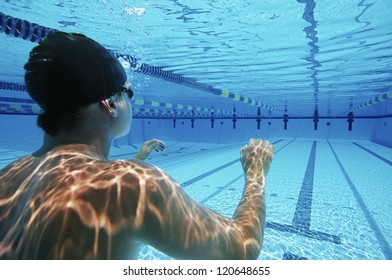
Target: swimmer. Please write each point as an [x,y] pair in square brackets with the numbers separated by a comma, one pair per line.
[69,201]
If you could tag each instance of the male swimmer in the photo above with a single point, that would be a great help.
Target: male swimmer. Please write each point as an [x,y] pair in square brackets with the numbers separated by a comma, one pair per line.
[68,201]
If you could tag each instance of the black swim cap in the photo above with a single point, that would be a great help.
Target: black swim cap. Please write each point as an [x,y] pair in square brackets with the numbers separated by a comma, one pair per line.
[68,70]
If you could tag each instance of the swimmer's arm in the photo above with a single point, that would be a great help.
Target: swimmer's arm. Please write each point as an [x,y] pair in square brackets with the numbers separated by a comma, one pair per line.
[180,227]
[148,147]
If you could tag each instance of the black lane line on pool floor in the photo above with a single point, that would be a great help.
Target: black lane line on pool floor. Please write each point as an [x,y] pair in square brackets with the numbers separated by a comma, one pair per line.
[204,200]
[290,256]
[318,235]
[121,156]
[9,160]
[374,154]
[199,154]
[219,168]
[8,156]
[160,158]
[385,247]
[302,215]
[303,210]
[221,189]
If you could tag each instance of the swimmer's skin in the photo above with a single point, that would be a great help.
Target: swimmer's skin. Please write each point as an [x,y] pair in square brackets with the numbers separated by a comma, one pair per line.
[68,201]
[67,204]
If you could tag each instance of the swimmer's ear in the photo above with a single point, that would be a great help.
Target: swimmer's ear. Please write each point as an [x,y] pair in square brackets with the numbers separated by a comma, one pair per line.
[109,107]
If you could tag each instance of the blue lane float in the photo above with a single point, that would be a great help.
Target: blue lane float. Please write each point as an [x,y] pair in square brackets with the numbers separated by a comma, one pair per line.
[33,32]
[374,101]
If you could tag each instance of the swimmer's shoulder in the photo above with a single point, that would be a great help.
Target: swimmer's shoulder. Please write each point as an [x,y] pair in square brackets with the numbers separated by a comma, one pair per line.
[127,173]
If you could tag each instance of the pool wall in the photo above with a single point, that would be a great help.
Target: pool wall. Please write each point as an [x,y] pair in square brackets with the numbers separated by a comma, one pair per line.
[19,132]
[223,131]
[383,126]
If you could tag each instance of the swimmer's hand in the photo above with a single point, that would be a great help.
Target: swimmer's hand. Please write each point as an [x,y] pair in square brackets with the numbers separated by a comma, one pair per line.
[148,147]
[256,158]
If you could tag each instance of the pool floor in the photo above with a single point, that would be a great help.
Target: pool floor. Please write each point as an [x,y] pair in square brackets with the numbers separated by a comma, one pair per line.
[326,200]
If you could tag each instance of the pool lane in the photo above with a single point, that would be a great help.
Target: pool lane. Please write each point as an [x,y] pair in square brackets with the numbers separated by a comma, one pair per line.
[384,151]
[359,192]
[338,210]
[374,154]
[301,221]
[215,170]
[300,225]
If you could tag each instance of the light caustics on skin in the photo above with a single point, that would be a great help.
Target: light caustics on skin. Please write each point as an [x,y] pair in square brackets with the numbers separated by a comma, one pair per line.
[69,205]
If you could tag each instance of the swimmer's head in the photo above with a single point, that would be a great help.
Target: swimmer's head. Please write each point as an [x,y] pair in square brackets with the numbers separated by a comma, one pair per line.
[67,71]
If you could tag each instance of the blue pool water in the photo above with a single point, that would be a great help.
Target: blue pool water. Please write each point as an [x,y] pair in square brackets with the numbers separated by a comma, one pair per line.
[209,75]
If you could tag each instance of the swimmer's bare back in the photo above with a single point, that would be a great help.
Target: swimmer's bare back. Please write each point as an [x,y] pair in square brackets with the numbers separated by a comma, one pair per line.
[67,205]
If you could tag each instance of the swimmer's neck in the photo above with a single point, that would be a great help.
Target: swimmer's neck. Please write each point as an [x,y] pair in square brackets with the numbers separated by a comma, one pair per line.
[94,144]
